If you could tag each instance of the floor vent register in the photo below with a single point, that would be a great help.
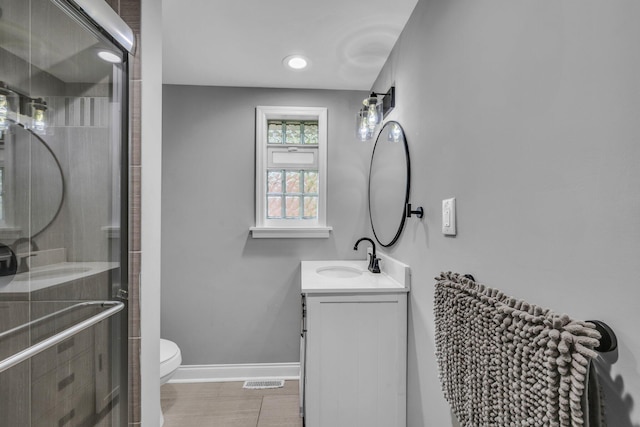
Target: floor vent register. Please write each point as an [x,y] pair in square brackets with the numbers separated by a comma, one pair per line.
[255,385]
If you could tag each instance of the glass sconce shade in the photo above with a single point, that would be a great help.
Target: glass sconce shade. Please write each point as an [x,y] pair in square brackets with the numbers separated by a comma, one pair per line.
[374,110]
[9,107]
[4,123]
[38,115]
[364,132]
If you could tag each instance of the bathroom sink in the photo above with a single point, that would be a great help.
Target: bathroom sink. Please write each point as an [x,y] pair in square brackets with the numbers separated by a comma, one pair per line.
[46,276]
[50,274]
[352,276]
[339,272]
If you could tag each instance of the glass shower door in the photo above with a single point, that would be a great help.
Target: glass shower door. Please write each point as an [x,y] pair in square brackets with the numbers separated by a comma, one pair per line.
[63,269]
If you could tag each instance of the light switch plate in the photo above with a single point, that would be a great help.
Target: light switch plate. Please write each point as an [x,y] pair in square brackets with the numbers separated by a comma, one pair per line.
[449,217]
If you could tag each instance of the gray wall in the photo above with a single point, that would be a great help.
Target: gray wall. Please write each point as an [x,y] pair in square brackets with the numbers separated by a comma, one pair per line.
[226,297]
[527,113]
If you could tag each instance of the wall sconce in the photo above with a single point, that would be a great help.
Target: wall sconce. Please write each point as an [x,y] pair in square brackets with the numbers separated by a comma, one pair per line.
[16,107]
[372,113]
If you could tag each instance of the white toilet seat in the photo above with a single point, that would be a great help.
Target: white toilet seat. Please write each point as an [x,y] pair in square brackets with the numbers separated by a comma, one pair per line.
[170,359]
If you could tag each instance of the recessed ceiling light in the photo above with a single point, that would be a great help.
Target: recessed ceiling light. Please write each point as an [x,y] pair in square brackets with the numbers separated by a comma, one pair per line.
[109,56]
[296,62]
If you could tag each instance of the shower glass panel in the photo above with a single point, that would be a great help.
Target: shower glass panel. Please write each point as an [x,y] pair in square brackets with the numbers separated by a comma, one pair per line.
[63,269]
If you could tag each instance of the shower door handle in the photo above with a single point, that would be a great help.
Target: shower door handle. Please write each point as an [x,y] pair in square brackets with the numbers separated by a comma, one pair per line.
[9,362]
[122,294]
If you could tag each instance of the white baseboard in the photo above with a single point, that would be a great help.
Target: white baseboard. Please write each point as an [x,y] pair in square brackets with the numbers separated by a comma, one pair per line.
[244,372]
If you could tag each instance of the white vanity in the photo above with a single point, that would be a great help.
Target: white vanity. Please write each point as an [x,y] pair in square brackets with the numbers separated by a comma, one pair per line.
[354,343]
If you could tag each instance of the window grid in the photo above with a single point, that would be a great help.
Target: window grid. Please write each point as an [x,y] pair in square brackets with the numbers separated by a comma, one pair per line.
[292,194]
[292,132]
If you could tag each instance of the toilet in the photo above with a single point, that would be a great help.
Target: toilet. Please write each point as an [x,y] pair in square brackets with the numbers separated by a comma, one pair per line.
[170,360]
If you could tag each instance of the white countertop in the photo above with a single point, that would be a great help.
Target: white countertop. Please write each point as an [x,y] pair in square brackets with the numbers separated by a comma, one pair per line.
[54,274]
[394,277]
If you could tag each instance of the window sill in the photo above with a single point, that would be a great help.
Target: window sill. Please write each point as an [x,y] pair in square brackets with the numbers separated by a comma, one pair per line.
[290,232]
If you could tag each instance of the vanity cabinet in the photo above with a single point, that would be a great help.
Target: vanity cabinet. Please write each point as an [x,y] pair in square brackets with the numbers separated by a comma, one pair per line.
[69,384]
[353,356]
[354,344]
[72,381]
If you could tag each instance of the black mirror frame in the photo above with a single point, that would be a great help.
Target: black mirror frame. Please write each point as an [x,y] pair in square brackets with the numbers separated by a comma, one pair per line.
[62,180]
[407,192]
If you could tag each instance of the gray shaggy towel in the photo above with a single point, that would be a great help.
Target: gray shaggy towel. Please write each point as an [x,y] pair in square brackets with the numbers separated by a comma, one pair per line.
[505,363]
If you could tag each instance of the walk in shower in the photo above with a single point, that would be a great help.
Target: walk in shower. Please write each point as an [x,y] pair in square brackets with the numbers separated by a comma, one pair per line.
[63,215]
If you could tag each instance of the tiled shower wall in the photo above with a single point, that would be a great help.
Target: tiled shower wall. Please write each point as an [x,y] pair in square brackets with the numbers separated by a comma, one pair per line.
[129,10]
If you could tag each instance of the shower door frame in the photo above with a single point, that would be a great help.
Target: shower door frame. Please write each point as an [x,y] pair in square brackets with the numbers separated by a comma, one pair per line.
[96,24]
[124,36]
[118,248]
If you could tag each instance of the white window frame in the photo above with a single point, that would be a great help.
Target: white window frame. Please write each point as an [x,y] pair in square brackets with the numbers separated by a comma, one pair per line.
[288,228]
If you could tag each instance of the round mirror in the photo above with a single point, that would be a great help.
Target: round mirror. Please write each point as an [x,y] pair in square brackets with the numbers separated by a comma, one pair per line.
[32,181]
[389,184]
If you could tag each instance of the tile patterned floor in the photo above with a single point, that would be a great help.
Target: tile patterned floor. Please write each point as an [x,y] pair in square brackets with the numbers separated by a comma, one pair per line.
[229,405]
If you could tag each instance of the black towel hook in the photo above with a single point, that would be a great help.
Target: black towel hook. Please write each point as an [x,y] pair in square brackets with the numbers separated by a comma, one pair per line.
[609,341]
[417,212]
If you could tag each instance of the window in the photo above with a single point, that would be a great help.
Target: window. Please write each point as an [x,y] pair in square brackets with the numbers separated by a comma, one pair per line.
[291,166]
[292,194]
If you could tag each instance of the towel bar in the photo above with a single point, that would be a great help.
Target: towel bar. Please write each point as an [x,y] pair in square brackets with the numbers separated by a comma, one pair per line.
[609,341]
[114,307]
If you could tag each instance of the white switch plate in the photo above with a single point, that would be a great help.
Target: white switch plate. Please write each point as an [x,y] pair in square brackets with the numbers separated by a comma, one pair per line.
[449,217]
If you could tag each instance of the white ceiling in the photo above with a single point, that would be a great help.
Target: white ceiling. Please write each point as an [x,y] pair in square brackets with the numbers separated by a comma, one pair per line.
[243,42]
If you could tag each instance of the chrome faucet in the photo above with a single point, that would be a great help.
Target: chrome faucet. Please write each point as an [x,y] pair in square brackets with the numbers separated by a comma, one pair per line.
[374,265]
[23,267]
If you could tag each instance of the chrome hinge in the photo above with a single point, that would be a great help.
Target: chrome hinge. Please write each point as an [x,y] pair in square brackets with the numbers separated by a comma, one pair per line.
[122,294]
